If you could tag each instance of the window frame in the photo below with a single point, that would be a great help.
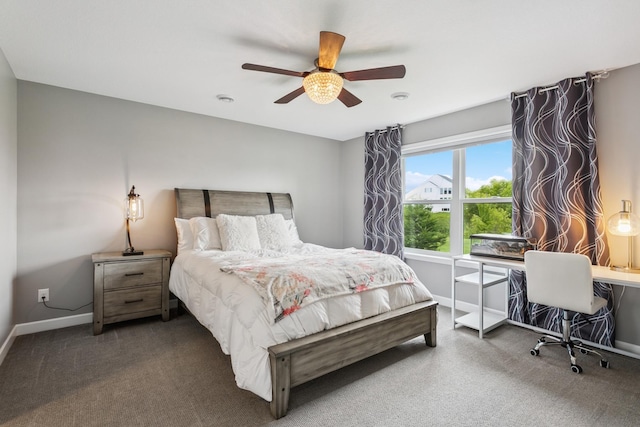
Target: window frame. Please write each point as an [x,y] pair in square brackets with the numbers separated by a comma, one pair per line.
[457,144]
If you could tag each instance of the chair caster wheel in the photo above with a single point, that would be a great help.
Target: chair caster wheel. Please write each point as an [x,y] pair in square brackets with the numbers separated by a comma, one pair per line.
[534,352]
[583,351]
[604,363]
[576,368]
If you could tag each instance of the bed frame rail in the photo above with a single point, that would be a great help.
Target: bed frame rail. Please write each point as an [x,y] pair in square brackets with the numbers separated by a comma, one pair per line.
[296,362]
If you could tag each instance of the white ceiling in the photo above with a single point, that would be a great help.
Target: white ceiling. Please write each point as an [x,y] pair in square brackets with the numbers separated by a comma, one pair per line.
[181,54]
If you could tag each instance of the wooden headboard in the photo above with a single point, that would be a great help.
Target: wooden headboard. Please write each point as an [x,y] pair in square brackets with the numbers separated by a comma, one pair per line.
[192,202]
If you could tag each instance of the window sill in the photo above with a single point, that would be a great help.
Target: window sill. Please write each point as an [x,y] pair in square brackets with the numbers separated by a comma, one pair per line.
[436,259]
[446,260]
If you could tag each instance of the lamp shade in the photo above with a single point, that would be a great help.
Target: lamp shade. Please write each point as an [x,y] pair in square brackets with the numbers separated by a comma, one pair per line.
[322,87]
[624,223]
[133,206]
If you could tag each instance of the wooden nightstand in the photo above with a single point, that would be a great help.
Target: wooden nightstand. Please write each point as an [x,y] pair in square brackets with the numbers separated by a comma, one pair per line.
[129,287]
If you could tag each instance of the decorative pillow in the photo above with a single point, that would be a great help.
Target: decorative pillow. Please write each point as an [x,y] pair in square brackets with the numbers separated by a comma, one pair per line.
[205,233]
[185,236]
[238,233]
[293,232]
[273,232]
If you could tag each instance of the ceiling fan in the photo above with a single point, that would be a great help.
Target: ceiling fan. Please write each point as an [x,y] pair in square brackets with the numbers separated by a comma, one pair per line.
[324,84]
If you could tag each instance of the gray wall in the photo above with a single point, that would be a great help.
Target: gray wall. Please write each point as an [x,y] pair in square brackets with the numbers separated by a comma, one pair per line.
[618,132]
[8,188]
[79,154]
[617,101]
[352,171]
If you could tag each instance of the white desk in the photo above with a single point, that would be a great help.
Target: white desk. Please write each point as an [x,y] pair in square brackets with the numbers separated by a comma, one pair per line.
[487,321]
[607,275]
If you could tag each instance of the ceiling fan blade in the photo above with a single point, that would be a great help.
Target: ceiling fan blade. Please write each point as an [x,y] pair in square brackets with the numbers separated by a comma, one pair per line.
[266,69]
[348,98]
[290,96]
[330,47]
[393,72]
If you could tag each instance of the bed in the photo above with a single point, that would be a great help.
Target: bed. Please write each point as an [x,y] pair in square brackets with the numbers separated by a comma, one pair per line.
[270,355]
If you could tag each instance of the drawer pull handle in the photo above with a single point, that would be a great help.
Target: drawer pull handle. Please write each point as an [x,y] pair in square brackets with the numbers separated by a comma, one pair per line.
[133,274]
[133,300]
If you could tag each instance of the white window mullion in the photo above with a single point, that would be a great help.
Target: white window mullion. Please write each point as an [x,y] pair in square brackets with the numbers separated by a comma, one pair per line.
[455,244]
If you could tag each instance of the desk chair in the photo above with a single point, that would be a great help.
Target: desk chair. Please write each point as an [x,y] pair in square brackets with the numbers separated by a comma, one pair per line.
[562,280]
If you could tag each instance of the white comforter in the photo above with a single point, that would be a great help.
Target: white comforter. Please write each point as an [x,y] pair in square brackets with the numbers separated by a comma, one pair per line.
[240,320]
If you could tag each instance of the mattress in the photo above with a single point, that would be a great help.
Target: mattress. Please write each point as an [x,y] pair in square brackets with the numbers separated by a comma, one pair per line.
[239,318]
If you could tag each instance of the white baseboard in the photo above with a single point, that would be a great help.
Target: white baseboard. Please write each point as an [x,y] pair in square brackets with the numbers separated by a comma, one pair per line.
[629,348]
[50,324]
[4,350]
[446,302]
[41,326]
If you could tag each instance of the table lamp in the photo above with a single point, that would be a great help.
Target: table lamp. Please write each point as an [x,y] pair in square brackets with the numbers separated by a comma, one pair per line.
[133,211]
[625,223]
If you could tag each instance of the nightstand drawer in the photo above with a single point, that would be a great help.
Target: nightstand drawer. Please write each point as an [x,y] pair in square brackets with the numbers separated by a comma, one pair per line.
[134,273]
[127,287]
[117,303]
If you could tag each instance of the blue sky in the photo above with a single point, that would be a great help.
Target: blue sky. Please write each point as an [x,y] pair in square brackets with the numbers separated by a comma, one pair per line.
[484,162]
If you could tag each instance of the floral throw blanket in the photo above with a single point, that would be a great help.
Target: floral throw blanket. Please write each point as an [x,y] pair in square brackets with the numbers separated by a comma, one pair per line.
[291,282]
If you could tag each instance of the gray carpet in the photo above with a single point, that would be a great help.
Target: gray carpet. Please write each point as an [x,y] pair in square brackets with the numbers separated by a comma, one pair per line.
[150,373]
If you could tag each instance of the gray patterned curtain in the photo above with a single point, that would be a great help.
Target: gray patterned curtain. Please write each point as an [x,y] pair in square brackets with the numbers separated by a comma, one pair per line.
[383,223]
[556,195]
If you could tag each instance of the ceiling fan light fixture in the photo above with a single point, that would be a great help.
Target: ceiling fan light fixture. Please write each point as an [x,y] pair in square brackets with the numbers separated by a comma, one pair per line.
[323,87]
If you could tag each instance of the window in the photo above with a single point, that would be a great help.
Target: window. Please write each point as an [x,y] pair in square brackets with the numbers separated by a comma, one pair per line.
[455,187]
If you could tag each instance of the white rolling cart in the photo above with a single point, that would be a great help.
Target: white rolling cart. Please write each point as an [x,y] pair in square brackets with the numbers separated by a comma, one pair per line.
[482,320]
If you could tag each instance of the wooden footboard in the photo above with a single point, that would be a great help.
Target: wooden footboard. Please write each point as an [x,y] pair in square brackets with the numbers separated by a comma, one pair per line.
[296,362]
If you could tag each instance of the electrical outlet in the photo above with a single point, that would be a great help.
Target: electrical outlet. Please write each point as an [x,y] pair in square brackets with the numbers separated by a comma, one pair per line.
[43,293]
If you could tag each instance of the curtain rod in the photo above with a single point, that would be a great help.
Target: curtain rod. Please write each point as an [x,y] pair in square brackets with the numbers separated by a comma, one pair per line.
[596,76]
[398,126]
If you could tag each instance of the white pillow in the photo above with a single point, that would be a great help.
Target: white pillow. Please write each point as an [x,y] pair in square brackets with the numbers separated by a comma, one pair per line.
[273,232]
[238,233]
[205,233]
[185,236]
[293,232]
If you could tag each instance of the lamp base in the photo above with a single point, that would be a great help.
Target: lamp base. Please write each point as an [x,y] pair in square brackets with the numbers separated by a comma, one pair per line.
[129,253]
[625,269]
